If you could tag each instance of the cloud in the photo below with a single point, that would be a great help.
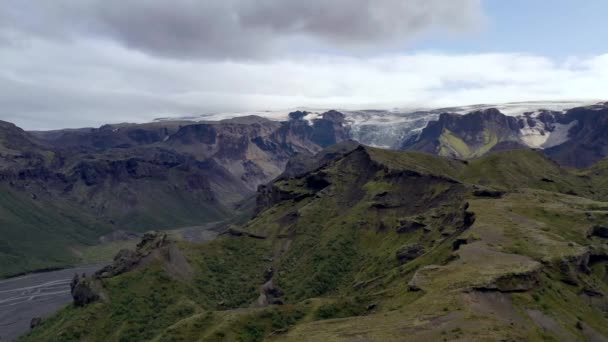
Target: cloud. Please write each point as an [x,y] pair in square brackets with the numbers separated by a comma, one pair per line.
[238,29]
[74,63]
[49,84]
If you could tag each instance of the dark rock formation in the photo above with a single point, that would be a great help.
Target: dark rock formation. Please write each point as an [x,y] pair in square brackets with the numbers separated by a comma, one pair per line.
[470,128]
[407,225]
[82,291]
[409,252]
[488,193]
[588,138]
[127,260]
[599,231]
[238,233]
[298,115]
[514,282]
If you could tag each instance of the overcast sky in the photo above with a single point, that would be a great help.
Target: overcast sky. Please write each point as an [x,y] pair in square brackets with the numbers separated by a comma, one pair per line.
[75,63]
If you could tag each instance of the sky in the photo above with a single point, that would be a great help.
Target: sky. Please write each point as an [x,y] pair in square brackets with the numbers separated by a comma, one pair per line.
[84,63]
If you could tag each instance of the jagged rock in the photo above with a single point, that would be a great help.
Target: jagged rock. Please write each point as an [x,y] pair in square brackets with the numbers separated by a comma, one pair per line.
[82,291]
[152,240]
[124,261]
[409,252]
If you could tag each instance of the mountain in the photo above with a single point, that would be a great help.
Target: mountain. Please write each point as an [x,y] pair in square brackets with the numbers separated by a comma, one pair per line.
[69,187]
[576,137]
[389,128]
[369,244]
[587,139]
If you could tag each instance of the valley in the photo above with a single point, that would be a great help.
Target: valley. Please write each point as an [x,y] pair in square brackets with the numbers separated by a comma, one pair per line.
[291,230]
[374,244]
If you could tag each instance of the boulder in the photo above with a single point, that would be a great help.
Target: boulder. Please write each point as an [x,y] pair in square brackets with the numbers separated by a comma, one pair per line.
[82,291]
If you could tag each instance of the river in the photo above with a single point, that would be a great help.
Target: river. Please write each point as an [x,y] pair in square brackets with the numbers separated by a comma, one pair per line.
[34,295]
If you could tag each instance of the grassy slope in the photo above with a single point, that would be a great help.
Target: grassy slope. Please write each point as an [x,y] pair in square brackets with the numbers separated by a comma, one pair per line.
[333,253]
[49,231]
[37,233]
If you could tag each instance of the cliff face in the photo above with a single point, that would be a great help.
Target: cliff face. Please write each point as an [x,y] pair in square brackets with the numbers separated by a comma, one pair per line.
[139,177]
[577,137]
[587,138]
[465,136]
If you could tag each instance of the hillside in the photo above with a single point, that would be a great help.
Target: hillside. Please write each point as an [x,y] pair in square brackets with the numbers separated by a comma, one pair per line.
[373,245]
[71,187]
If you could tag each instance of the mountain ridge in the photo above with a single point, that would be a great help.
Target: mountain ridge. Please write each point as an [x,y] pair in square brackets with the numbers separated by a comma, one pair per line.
[377,244]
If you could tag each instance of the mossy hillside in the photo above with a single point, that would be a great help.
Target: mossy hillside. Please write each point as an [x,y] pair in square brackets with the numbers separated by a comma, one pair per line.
[51,227]
[143,303]
[332,252]
[517,169]
[598,175]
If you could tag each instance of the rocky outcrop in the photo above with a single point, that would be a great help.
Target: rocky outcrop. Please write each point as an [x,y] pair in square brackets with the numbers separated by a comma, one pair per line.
[270,293]
[576,138]
[123,262]
[514,281]
[489,193]
[271,194]
[407,225]
[599,231]
[409,252]
[587,138]
[330,129]
[238,233]
[569,267]
[465,136]
[126,260]
[82,290]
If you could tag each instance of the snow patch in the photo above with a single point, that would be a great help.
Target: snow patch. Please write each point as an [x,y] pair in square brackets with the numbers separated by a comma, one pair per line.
[546,137]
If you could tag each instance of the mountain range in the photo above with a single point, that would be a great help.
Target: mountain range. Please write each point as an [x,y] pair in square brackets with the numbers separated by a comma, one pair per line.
[368,244]
[484,225]
[67,188]
[70,187]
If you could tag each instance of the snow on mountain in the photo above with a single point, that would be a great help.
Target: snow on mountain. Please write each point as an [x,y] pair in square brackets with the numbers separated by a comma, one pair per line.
[390,127]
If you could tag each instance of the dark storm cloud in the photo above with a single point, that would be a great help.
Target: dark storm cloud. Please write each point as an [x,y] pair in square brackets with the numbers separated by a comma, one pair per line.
[236,29]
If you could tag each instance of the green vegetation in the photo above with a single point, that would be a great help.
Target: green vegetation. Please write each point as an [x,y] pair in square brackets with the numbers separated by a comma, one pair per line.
[517,266]
[36,234]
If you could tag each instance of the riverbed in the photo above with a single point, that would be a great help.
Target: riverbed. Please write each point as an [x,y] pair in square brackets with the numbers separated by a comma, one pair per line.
[34,295]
